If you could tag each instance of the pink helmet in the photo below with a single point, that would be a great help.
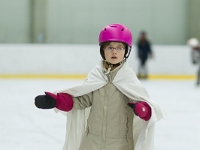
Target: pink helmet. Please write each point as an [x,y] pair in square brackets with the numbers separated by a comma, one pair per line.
[116,32]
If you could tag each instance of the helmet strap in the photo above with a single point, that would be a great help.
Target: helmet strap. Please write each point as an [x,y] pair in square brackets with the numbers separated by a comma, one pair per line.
[128,53]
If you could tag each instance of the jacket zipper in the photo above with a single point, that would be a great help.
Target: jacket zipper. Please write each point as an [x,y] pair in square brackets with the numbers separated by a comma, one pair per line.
[105,112]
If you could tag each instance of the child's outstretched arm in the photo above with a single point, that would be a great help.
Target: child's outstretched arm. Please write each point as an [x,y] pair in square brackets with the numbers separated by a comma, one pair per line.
[61,101]
[141,109]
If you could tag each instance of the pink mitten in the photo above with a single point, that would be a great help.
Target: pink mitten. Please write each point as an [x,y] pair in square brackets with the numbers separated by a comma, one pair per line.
[141,109]
[64,101]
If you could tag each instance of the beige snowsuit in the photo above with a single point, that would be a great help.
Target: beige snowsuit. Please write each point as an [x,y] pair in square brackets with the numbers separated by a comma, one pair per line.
[110,122]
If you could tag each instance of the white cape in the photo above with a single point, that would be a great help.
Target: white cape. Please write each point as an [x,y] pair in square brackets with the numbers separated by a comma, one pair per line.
[127,82]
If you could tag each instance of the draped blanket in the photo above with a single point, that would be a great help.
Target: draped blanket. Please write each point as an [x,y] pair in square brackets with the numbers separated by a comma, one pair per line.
[127,82]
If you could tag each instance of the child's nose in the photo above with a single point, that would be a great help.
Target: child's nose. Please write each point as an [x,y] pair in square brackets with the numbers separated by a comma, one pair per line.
[114,50]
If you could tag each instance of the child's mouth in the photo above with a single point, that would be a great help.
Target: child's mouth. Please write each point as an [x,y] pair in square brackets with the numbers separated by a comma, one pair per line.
[114,57]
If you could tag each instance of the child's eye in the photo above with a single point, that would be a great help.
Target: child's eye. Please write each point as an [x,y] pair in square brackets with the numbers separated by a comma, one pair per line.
[110,48]
[119,48]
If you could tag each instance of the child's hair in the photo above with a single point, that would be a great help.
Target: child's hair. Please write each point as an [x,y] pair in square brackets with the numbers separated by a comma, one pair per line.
[105,44]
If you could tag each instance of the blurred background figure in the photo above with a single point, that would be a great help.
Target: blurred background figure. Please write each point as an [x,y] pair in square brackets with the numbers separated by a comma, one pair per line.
[194,44]
[144,52]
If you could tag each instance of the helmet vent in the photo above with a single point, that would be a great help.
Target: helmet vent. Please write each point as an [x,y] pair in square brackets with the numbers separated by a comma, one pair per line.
[113,26]
[104,29]
[122,29]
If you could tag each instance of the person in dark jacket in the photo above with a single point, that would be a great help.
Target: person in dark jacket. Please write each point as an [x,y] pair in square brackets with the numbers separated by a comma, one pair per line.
[144,51]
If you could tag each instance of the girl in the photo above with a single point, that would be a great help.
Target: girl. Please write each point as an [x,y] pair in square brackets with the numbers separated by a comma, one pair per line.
[120,116]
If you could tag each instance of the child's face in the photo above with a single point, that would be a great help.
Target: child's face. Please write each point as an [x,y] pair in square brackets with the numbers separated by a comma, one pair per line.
[114,52]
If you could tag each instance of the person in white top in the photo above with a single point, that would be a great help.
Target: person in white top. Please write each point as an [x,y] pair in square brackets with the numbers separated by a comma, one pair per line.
[194,44]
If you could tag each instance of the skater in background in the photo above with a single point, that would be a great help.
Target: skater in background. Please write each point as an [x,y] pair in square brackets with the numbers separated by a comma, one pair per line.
[144,52]
[112,110]
[194,43]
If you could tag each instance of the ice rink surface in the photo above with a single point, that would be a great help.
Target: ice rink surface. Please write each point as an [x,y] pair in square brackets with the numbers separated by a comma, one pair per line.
[24,127]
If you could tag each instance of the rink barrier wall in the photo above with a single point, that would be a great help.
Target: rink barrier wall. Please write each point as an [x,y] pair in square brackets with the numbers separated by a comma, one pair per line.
[64,61]
[83,76]
[42,76]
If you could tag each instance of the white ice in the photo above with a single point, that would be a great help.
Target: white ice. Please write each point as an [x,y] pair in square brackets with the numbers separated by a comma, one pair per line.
[23,126]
